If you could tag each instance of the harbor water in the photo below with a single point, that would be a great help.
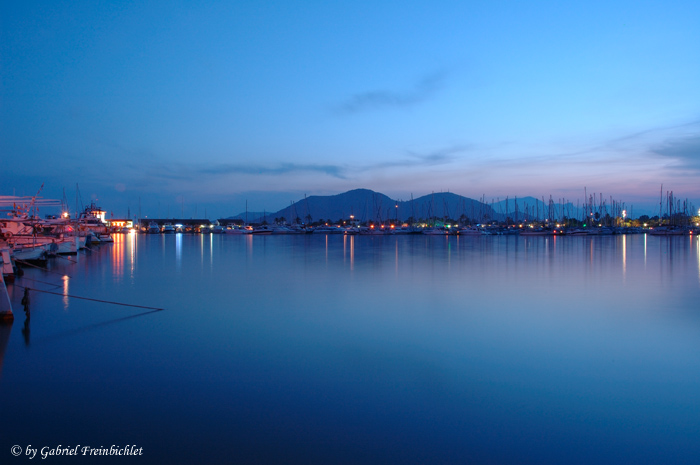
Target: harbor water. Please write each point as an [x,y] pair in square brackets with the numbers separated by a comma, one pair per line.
[337,349]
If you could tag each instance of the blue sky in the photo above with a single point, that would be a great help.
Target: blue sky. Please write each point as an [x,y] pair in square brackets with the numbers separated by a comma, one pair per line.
[187,107]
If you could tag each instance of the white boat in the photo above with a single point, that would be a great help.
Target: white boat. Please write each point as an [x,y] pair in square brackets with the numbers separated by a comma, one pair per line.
[237,230]
[261,230]
[537,232]
[470,231]
[284,229]
[168,228]
[435,231]
[371,231]
[296,229]
[578,232]
[328,230]
[669,231]
[92,219]
[70,245]
[34,253]
[153,228]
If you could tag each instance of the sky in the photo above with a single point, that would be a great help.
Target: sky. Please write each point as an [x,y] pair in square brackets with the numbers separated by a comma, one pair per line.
[197,109]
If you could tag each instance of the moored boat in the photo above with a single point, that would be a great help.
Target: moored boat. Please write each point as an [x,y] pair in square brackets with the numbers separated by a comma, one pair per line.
[153,228]
[669,231]
[236,230]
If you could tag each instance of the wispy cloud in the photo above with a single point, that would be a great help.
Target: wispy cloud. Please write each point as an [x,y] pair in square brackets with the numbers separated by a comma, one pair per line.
[679,143]
[690,126]
[335,171]
[685,151]
[440,156]
[413,159]
[416,159]
[375,99]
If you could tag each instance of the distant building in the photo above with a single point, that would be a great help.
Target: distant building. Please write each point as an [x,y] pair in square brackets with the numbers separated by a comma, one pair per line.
[120,223]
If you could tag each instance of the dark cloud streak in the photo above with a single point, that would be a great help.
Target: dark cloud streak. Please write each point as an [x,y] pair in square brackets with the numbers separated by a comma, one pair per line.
[439,157]
[685,150]
[375,99]
[284,168]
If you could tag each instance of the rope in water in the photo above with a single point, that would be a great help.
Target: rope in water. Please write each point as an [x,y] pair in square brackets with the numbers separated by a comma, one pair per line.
[93,300]
[24,278]
[40,267]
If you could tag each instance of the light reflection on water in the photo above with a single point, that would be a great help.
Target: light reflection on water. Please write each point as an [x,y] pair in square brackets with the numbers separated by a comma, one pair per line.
[332,349]
[66,291]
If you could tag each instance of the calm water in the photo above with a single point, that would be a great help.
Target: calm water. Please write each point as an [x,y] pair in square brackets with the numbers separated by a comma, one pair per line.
[331,349]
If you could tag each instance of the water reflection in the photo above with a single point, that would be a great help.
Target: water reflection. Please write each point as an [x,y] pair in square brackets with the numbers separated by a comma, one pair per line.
[118,254]
[25,331]
[178,251]
[132,253]
[349,250]
[624,255]
[68,334]
[210,238]
[66,291]
[415,348]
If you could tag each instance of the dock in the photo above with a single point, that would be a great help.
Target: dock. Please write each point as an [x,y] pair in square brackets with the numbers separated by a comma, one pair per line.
[6,314]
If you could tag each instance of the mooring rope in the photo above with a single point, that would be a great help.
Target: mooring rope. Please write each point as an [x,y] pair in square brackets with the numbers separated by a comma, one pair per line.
[93,300]
[40,267]
[42,282]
